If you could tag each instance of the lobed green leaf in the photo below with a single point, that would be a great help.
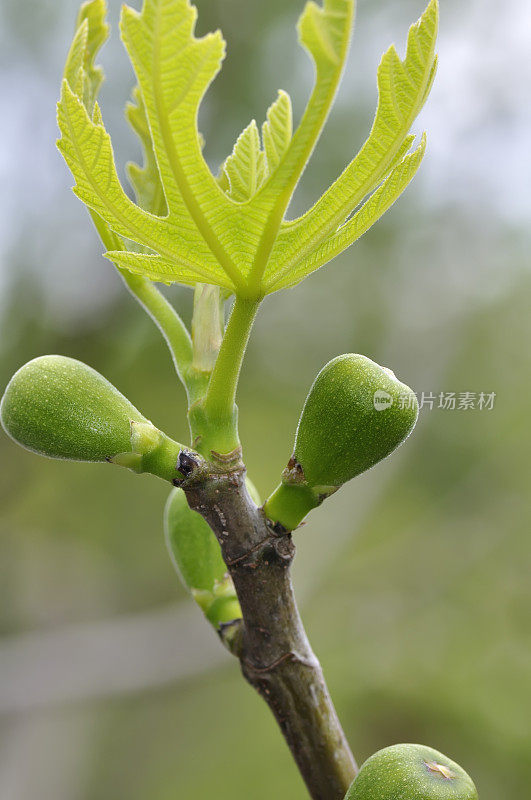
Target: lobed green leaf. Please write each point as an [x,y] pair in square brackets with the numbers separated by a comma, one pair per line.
[277,131]
[168,270]
[145,179]
[86,147]
[370,212]
[187,225]
[402,90]
[174,70]
[246,167]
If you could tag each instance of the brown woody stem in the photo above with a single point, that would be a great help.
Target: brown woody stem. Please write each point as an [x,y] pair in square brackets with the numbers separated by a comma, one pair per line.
[271,644]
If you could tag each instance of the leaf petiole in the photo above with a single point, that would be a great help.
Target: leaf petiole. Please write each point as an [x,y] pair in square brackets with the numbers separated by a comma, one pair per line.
[161,311]
[215,418]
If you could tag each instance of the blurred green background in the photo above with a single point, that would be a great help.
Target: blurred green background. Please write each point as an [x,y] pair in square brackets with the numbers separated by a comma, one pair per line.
[413,580]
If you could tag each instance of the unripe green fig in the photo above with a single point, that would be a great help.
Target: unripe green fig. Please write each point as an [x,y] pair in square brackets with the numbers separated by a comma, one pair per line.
[61,408]
[192,545]
[355,415]
[411,772]
[196,555]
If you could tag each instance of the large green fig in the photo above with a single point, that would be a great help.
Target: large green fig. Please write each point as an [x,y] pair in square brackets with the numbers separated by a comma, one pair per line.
[411,772]
[356,414]
[61,408]
[196,555]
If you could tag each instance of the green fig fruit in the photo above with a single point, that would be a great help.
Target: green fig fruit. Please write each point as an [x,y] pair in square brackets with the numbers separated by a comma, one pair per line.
[196,555]
[411,772]
[61,408]
[192,545]
[356,414]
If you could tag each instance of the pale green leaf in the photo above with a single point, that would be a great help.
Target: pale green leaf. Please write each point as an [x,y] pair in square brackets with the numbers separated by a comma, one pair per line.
[277,131]
[228,230]
[248,167]
[87,149]
[402,89]
[245,168]
[370,212]
[145,179]
[92,31]
[93,13]
[75,60]
[174,70]
[81,73]
[321,31]
[168,271]
[222,180]
[84,79]
[324,31]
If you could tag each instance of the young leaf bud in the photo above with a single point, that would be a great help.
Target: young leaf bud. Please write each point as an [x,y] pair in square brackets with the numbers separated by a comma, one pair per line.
[356,414]
[61,408]
[411,771]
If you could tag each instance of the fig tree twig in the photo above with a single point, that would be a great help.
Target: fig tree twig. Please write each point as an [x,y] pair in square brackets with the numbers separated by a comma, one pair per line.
[272,646]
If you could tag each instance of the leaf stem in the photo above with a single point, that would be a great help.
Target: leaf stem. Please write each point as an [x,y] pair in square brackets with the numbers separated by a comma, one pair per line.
[161,312]
[167,321]
[221,393]
[219,405]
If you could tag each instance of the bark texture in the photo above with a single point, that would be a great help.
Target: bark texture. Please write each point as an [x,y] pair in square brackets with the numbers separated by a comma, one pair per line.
[271,644]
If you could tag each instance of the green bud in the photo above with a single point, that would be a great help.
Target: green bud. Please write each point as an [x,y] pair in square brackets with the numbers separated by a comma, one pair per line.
[61,408]
[356,414]
[411,771]
[196,555]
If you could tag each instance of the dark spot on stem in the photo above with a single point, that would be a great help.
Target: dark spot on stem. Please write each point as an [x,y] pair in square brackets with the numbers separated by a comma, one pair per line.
[185,464]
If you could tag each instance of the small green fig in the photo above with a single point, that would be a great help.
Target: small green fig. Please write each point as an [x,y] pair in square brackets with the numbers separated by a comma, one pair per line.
[196,555]
[61,408]
[356,414]
[192,545]
[411,772]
